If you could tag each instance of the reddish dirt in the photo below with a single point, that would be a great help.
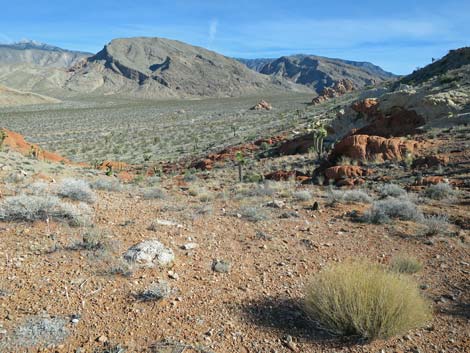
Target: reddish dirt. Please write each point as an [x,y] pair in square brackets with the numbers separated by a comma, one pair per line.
[17,143]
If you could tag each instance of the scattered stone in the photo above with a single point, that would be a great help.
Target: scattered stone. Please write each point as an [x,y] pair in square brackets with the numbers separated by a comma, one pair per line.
[173,275]
[276,204]
[150,253]
[221,266]
[189,246]
[156,291]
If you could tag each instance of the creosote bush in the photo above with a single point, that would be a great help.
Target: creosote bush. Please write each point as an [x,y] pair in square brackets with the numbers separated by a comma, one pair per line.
[302,195]
[253,214]
[392,190]
[348,196]
[363,299]
[434,225]
[153,193]
[76,189]
[405,264]
[439,191]
[383,211]
[32,208]
[107,184]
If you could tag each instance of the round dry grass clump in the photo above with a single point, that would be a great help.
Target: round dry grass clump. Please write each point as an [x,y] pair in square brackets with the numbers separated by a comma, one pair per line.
[363,299]
[406,264]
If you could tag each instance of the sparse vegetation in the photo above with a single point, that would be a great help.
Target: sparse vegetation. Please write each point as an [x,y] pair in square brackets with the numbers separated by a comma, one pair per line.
[348,196]
[76,189]
[405,264]
[108,184]
[435,224]
[31,208]
[153,193]
[365,300]
[391,190]
[253,214]
[302,195]
[384,210]
[440,191]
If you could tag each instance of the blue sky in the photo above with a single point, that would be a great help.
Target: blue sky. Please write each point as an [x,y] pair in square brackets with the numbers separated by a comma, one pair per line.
[397,35]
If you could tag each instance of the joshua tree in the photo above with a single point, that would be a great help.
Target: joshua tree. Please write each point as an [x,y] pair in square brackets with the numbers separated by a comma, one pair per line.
[320,134]
[241,160]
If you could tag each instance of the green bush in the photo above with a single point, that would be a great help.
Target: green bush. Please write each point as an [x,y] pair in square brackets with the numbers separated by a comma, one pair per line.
[363,299]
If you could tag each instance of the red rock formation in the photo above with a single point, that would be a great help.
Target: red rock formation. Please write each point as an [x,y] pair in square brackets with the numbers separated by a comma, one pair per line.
[364,147]
[114,165]
[338,89]
[367,107]
[283,175]
[346,172]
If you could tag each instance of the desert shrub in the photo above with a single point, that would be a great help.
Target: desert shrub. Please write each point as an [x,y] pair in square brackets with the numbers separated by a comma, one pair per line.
[434,225]
[106,184]
[76,189]
[253,214]
[392,190]
[153,193]
[41,331]
[31,208]
[362,299]
[38,188]
[439,191]
[302,195]
[348,196]
[383,211]
[405,264]
[92,239]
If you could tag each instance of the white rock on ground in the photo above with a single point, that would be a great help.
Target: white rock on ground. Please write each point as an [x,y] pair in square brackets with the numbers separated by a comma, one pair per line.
[150,253]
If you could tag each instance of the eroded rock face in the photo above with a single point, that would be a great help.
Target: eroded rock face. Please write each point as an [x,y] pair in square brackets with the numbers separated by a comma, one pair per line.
[339,88]
[398,122]
[340,172]
[150,253]
[365,147]
[284,175]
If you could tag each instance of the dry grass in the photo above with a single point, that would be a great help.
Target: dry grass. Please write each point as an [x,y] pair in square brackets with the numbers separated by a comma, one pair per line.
[405,264]
[363,299]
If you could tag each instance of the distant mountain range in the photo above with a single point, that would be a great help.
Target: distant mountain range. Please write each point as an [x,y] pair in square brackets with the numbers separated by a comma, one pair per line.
[158,68]
[318,72]
[36,53]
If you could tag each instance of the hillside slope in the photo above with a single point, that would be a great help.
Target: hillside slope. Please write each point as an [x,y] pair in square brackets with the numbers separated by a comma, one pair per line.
[34,53]
[157,67]
[319,72]
[11,97]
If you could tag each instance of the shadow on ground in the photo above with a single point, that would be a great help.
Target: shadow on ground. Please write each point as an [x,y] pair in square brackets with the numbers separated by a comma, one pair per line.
[287,317]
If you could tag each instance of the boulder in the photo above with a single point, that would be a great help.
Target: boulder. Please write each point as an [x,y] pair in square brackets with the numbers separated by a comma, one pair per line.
[338,89]
[150,253]
[262,105]
[342,172]
[398,122]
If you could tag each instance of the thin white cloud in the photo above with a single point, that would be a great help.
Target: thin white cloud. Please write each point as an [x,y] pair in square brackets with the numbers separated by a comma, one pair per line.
[213,30]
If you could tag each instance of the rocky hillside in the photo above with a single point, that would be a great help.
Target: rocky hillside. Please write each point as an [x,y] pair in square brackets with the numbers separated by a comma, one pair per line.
[10,97]
[319,72]
[157,67]
[35,53]
[454,60]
